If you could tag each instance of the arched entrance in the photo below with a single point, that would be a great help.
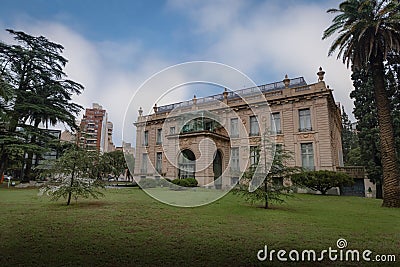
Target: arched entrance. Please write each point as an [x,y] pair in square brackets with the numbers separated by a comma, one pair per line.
[217,168]
[187,164]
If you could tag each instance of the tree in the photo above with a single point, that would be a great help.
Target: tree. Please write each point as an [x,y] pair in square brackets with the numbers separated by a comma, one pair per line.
[272,187]
[73,176]
[322,180]
[349,137]
[368,32]
[115,163]
[354,157]
[40,93]
[366,115]
[367,126]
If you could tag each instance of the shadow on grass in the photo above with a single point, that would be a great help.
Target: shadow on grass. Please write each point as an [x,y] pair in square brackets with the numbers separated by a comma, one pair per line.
[88,204]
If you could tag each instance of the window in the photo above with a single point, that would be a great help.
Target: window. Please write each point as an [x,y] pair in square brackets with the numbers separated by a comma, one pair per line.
[234,128]
[276,123]
[307,156]
[235,159]
[187,164]
[254,156]
[254,129]
[159,162]
[304,120]
[171,130]
[146,138]
[144,163]
[159,137]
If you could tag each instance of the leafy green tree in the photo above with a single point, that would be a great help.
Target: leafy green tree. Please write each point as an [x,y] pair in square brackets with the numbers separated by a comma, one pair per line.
[72,176]
[321,180]
[354,157]
[40,93]
[273,188]
[114,163]
[349,137]
[365,113]
[369,30]
[367,126]
[393,89]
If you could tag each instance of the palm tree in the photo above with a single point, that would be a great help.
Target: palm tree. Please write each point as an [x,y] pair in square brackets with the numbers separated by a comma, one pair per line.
[369,30]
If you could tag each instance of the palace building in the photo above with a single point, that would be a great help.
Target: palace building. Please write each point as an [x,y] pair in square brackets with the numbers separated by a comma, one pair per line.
[214,139]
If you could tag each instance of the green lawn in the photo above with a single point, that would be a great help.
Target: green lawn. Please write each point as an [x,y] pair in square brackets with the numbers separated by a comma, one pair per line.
[127,227]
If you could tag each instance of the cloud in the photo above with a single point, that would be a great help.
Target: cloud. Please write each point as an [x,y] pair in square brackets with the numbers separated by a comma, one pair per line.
[265,40]
[269,38]
[110,72]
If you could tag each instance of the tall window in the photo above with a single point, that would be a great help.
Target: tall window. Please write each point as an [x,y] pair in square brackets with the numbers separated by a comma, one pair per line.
[159,162]
[276,123]
[146,138]
[187,164]
[234,127]
[304,120]
[307,156]
[254,156]
[172,130]
[159,137]
[144,163]
[235,159]
[254,129]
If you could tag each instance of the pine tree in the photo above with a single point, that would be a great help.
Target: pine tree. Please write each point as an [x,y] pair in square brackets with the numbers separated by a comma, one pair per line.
[31,72]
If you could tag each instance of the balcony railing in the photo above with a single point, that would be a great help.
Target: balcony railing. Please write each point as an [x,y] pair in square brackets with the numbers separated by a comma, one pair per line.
[307,129]
[296,82]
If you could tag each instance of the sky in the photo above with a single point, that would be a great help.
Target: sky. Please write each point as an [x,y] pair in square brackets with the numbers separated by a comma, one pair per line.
[113,47]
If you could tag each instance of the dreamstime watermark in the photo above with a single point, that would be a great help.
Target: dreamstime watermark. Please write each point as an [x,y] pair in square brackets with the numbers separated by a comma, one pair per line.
[194,138]
[340,253]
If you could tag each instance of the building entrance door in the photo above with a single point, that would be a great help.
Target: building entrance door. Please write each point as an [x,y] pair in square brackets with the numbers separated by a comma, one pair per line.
[217,168]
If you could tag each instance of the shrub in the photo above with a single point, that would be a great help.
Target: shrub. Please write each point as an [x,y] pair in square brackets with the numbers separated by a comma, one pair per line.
[322,180]
[186,182]
[163,182]
[148,183]
[192,182]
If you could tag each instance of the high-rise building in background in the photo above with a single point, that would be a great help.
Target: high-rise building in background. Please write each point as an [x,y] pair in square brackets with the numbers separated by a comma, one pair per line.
[95,131]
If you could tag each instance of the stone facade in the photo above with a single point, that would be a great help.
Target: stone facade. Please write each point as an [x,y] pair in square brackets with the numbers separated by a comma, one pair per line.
[224,130]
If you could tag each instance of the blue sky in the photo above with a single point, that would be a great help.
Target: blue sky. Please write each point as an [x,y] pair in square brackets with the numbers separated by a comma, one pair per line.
[114,46]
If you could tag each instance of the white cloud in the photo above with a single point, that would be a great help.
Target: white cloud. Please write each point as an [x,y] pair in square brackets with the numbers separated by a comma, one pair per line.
[270,38]
[265,41]
[110,72]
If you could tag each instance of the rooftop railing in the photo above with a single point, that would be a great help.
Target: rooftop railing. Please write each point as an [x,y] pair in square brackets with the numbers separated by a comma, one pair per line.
[295,82]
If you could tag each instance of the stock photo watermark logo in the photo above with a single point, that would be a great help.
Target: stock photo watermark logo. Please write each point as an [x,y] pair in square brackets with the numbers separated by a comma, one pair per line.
[198,142]
[334,254]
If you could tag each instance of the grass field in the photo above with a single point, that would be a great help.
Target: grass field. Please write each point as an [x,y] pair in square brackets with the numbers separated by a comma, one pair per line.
[128,228]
